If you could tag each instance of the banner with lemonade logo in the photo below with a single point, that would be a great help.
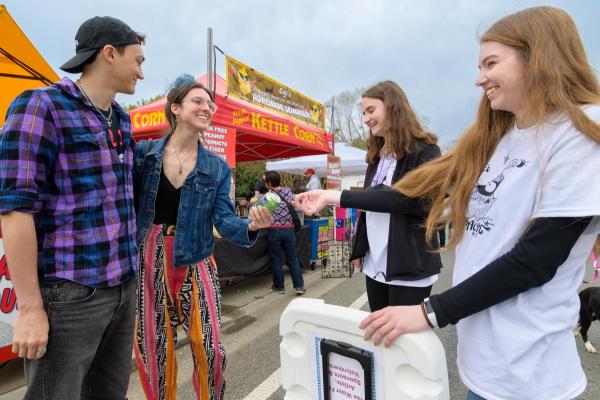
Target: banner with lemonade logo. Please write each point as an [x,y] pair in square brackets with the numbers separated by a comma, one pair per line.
[248,84]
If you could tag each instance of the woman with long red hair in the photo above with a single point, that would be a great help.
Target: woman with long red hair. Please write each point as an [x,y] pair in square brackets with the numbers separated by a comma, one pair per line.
[521,190]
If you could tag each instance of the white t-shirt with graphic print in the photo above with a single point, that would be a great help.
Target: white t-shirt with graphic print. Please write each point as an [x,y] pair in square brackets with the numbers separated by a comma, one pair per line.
[523,348]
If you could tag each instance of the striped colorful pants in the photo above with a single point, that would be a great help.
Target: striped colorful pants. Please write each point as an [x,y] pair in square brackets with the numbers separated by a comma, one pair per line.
[170,297]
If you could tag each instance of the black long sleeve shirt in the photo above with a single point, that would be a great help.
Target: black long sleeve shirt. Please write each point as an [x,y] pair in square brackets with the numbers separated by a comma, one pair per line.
[532,262]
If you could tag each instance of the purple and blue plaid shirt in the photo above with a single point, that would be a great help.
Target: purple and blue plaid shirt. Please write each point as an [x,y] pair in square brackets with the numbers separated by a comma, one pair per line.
[56,163]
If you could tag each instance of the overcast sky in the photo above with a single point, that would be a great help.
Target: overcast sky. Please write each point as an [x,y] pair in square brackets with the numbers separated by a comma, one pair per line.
[318,47]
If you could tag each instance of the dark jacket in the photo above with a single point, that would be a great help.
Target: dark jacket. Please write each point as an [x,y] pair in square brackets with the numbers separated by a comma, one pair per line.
[409,257]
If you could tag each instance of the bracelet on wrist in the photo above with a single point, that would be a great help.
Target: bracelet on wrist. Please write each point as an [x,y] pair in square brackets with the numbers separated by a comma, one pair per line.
[430,313]
[425,315]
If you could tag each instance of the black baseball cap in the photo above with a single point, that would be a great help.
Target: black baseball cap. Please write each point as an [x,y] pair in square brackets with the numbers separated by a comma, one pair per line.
[94,34]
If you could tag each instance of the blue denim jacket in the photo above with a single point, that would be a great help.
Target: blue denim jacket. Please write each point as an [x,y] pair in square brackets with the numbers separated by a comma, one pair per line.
[204,202]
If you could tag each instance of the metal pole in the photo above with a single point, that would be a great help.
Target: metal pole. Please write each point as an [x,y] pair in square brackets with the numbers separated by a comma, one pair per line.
[209,58]
[331,120]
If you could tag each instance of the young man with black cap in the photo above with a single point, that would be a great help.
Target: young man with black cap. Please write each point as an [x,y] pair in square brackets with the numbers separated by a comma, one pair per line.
[66,204]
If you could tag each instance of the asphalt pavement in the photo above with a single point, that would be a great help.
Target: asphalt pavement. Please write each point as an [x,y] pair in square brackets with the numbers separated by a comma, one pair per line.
[251,338]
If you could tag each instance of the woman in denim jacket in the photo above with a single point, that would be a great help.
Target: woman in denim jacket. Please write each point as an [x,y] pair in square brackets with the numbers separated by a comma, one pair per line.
[182,191]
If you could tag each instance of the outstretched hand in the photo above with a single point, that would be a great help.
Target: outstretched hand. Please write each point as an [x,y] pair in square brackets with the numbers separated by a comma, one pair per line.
[260,218]
[390,322]
[314,201]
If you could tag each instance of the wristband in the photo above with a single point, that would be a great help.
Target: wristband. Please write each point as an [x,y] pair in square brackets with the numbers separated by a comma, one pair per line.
[430,313]
[425,315]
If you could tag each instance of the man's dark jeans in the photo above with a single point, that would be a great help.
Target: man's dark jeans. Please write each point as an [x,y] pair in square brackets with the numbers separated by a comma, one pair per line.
[89,346]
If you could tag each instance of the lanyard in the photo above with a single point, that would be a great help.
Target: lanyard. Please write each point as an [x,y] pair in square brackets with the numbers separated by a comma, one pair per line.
[382,170]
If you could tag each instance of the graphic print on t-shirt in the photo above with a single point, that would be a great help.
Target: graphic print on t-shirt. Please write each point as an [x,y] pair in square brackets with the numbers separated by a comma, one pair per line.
[483,198]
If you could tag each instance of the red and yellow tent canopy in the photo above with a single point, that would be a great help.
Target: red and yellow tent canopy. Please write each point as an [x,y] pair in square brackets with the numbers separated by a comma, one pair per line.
[260,133]
[21,66]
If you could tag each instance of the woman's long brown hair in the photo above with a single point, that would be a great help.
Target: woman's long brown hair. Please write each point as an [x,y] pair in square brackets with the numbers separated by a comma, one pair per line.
[401,127]
[558,78]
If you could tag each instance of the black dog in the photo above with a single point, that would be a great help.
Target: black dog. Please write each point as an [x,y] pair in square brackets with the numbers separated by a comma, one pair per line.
[588,312]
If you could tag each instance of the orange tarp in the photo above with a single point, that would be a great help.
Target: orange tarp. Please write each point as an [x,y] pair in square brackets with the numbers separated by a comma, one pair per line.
[21,66]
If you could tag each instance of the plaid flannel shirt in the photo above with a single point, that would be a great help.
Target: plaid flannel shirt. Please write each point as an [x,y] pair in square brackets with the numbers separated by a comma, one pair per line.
[55,163]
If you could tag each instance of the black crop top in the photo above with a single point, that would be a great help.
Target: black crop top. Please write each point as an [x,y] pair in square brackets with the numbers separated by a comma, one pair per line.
[167,201]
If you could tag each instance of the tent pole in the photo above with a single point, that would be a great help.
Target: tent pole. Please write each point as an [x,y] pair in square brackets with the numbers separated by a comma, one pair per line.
[209,58]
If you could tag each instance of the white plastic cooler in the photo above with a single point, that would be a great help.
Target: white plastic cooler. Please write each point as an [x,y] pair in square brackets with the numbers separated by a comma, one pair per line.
[324,357]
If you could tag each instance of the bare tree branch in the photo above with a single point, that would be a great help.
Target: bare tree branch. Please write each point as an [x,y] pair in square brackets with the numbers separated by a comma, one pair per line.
[346,121]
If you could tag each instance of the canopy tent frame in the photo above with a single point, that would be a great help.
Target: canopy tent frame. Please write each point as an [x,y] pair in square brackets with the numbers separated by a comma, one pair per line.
[35,75]
[353,162]
[250,147]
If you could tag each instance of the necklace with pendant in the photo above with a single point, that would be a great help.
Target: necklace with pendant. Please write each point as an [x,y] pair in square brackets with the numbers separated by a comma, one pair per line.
[180,161]
[107,119]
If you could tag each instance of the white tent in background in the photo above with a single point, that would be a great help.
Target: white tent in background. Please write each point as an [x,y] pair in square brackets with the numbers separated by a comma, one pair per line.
[354,165]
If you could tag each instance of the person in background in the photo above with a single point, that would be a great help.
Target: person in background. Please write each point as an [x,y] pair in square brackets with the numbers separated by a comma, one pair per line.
[399,266]
[260,188]
[182,191]
[521,189]
[68,220]
[314,182]
[282,238]
[297,186]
